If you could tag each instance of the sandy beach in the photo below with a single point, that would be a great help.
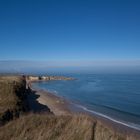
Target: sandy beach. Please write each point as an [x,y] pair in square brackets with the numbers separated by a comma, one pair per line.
[57,105]
[60,106]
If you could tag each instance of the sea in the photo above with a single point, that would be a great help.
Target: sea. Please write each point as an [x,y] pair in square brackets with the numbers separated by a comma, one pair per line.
[112,96]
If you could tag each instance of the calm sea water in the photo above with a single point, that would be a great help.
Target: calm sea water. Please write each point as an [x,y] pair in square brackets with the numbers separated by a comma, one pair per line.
[116,97]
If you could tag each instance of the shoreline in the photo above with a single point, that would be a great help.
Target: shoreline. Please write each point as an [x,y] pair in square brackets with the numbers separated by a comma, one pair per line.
[56,104]
[115,125]
[60,106]
[100,115]
[45,107]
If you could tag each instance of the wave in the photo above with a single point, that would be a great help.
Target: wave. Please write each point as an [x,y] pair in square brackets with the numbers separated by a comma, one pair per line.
[128,124]
[118,110]
[51,91]
[125,123]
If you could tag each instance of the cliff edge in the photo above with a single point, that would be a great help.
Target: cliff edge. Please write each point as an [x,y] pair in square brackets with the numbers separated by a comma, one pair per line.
[17,123]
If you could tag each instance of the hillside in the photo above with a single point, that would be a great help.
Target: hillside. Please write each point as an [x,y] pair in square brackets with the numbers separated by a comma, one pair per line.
[12,97]
[48,127]
[16,125]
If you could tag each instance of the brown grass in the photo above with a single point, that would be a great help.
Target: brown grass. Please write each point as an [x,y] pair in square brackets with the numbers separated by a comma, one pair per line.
[12,90]
[50,127]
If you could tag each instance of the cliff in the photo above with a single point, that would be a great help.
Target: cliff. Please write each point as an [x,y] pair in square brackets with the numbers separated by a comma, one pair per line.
[44,126]
[12,97]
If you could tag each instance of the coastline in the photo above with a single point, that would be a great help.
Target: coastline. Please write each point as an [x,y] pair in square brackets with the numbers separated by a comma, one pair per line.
[57,105]
[60,106]
[47,111]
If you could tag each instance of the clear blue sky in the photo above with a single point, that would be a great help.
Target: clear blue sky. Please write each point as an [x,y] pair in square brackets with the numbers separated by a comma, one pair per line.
[71,30]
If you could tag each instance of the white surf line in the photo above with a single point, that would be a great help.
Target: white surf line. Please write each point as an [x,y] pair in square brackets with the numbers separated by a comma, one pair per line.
[130,125]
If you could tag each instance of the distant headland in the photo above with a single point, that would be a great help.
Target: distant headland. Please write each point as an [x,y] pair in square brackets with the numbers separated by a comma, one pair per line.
[47,78]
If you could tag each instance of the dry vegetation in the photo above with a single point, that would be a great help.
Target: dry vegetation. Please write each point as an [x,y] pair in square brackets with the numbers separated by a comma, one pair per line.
[12,94]
[45,126]
[49,127]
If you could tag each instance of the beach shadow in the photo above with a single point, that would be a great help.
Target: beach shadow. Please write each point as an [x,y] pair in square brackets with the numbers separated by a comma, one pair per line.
[34,105]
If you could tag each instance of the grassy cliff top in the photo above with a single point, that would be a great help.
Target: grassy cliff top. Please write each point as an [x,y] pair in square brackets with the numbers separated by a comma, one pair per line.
[9,92]
[10,78]
[48,127]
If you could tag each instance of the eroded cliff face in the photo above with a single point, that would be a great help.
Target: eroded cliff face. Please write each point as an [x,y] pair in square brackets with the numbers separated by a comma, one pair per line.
[13,96]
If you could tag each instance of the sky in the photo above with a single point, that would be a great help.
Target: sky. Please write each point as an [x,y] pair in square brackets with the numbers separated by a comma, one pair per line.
[70,31]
